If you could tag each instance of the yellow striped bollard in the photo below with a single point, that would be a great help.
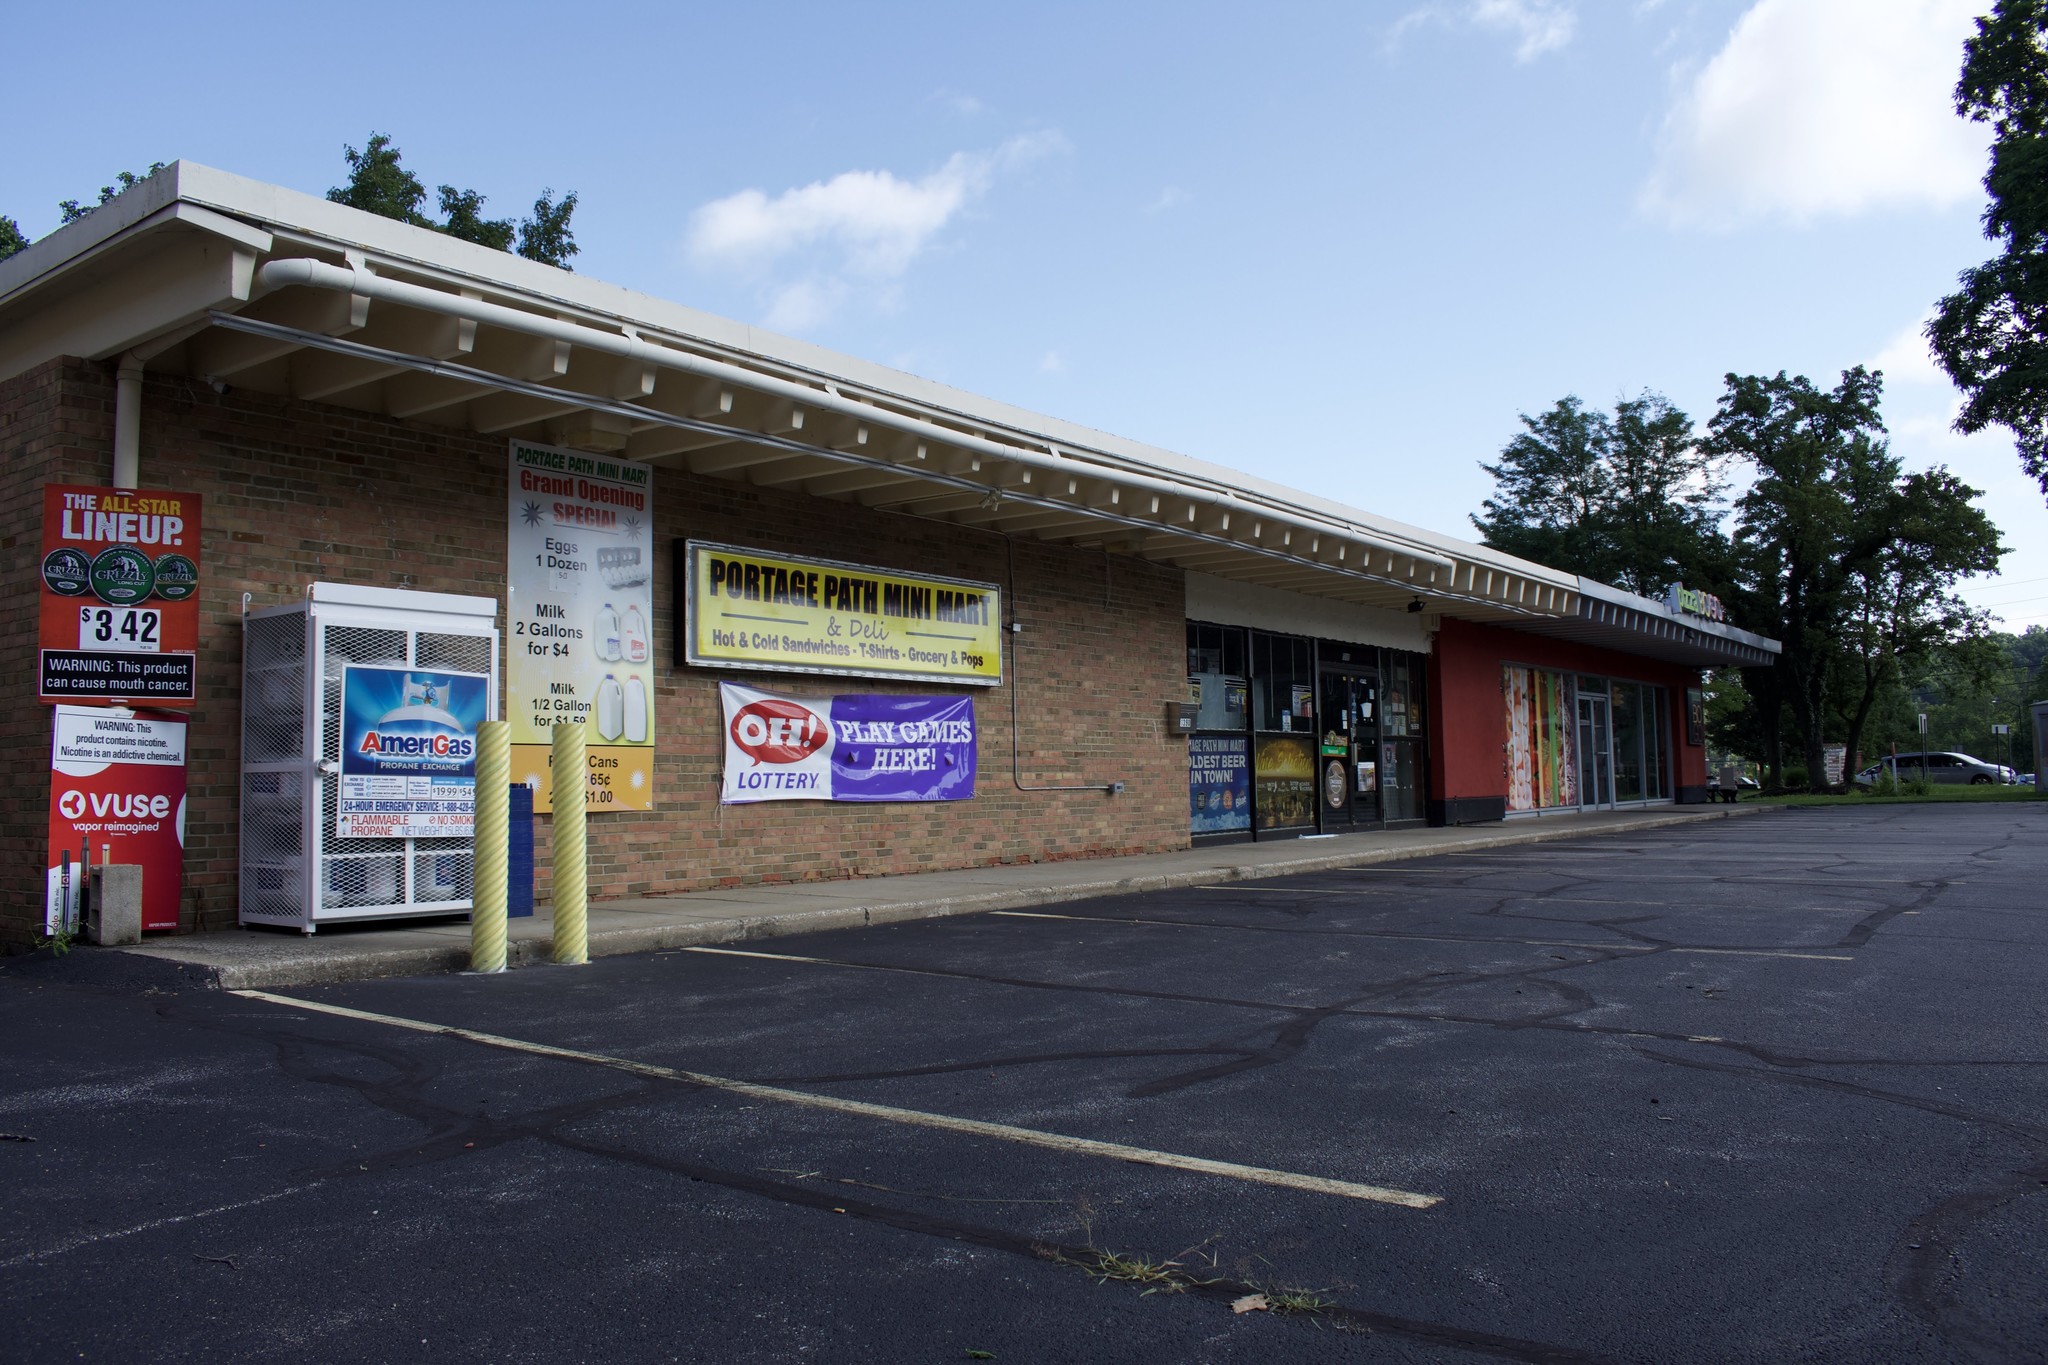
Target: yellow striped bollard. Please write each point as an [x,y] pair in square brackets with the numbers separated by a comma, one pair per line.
[572,888]
[492,846]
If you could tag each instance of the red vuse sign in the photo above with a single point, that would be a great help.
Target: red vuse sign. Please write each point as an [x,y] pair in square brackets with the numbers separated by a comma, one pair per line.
[117,790]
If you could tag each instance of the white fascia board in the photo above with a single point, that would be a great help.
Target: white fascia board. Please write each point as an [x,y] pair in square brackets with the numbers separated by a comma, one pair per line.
[515,279]
[1650,606]
[318,222]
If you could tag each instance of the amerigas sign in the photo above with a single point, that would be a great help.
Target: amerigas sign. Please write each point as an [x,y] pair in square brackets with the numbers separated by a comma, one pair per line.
[117,791]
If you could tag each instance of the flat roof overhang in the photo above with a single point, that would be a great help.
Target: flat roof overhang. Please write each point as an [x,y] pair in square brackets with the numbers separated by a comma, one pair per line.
[236,283]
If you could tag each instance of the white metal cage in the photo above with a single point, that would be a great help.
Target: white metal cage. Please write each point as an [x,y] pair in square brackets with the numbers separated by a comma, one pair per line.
[295,869]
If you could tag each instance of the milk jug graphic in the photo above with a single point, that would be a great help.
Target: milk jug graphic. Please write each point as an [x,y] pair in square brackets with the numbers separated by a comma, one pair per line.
[607,635]
[610,703]
[636,711]
[633,634]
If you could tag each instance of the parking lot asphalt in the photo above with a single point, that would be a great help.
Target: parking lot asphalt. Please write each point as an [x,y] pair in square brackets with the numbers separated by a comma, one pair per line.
[1755,1090]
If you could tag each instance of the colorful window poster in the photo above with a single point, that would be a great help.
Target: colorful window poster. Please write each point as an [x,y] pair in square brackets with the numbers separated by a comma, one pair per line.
[1285,788]
[1219,784]
[117,792]
[408,752]
[852,747]
[580,571]
[118,619]
[1542,747]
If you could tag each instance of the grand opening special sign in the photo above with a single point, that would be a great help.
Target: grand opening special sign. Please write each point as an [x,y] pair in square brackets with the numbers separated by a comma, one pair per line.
[117,790]
[408,752]
[846,748]
[581,572]
[118,619]
[749,609]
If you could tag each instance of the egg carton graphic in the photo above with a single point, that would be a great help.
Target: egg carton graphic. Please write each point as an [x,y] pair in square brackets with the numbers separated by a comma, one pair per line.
[621,566]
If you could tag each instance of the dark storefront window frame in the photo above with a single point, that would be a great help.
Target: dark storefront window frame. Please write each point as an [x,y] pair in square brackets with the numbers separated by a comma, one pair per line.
[1282,670]
[1656,772]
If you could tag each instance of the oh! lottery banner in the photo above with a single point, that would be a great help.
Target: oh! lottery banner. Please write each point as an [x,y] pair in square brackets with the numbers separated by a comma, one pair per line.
[846,748]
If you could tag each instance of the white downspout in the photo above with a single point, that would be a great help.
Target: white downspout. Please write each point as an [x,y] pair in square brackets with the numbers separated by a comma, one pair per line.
[128,422]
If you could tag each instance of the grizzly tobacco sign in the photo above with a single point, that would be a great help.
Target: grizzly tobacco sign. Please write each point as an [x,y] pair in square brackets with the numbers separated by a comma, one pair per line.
[119,616]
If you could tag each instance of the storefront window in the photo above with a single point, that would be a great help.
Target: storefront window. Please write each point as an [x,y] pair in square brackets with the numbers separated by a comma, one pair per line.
[1401,731]
[1283,711]
[1628,742]
[1656,750]
[1283,682]
[1218,682]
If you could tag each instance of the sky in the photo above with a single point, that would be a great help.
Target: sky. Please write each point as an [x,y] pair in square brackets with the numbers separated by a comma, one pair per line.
[1343,246]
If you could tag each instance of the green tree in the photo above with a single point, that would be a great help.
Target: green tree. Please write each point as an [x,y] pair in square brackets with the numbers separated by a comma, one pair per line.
[379,183]
[1630,499]
[1847,562]
[1904,614]
[545,237]
[124,181]
[1991,335]
[11,239]
[463,211]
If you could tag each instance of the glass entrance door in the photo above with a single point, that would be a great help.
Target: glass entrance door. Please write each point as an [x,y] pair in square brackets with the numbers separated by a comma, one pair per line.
[1596,774]
[1347,776]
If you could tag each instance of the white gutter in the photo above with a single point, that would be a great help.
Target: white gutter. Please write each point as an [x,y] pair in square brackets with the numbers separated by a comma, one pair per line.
[360,282]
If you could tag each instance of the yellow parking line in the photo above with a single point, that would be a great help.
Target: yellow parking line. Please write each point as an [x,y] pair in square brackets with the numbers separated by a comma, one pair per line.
[1001,1132]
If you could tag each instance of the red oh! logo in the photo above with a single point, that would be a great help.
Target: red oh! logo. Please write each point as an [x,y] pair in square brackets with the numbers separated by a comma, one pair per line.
[775,731]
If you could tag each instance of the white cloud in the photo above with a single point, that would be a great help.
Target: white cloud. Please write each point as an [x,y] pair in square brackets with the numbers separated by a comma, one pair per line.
[1537,26]
[1172,197]
[1908,359]
[819,244]
[1820,107]
[1051,363]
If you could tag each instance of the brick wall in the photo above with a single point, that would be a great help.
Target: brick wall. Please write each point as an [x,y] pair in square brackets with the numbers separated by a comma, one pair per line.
[297,492]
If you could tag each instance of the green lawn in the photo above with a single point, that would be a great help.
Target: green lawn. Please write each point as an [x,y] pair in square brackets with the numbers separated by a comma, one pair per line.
[1933,793]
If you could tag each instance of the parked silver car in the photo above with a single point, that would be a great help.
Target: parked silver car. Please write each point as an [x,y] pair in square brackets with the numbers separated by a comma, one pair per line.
[1959,769]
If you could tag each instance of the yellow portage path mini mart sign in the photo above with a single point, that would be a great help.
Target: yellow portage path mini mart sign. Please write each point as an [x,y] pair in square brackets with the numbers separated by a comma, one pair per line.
[763,611]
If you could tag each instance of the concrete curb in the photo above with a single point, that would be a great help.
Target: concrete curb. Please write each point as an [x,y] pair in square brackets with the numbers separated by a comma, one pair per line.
[196,965]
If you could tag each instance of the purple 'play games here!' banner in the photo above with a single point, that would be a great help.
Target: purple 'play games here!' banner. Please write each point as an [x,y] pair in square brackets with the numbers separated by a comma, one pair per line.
[853,747]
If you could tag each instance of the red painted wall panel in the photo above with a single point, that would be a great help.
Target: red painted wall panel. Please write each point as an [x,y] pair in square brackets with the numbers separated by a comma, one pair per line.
[1468,744]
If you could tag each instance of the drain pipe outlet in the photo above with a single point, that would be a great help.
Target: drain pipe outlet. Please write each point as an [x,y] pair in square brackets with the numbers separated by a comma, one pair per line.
[128,422]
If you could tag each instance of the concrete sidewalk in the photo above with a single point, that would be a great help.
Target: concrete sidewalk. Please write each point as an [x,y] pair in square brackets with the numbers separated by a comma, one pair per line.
[265,958]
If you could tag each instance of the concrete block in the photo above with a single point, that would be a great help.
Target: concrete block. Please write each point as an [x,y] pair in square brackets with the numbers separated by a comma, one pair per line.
[116,914]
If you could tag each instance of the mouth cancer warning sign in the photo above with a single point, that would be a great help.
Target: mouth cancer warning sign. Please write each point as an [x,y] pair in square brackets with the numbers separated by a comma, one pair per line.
[580,568]
[118,616]
[408,752]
